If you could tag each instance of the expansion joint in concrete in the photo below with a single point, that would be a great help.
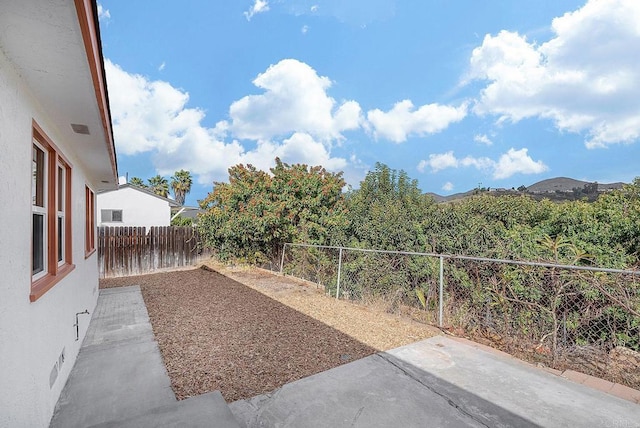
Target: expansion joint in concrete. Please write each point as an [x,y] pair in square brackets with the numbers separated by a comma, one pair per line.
[431,388]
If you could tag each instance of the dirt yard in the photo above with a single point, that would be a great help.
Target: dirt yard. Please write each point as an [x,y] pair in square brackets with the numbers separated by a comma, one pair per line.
[245,331]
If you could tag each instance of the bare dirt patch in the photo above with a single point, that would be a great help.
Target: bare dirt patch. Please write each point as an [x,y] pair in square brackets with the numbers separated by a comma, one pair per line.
[215,333]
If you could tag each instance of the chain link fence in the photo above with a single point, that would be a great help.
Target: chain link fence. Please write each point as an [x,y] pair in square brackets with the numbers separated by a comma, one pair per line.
[564,317]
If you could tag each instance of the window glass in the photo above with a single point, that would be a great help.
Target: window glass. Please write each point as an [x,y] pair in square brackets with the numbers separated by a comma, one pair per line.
[111,216]
[38,243]
[61,198]
[37,177]
[89,221]
[60,239]
[39,212]
[61,176]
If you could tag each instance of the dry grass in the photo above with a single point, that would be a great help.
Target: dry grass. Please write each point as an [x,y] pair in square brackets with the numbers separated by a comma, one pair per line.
[370,324]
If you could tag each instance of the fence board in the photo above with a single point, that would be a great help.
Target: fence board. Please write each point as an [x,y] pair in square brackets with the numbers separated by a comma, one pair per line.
[124,251]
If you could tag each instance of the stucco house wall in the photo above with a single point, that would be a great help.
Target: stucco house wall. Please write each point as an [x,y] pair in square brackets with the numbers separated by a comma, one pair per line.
[139,207]
[38,344]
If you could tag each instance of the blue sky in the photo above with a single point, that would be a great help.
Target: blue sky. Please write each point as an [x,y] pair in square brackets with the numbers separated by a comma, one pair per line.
[457,93]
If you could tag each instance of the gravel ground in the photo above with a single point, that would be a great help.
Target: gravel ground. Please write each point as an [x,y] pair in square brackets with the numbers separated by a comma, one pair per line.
[216,333]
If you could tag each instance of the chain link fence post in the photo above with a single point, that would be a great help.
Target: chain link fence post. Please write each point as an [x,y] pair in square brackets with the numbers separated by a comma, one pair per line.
[284,247]
[441,292]
[339,271]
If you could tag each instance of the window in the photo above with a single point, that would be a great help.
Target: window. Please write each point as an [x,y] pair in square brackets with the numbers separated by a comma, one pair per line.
[39,210]
[90,222]
[108,216]
[51,214]
[60,211]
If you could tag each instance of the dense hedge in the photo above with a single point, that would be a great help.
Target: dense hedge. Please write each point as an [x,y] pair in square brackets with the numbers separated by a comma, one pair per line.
[253,214]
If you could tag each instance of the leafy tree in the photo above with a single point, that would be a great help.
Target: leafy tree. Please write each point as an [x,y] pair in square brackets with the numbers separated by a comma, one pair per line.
[137,181]
[159,185]
[386,212]
[181,185]
[181,221]
[253,214]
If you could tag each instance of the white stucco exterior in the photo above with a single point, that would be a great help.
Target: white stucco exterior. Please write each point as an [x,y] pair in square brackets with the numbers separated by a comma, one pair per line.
[34,334]
[139,207]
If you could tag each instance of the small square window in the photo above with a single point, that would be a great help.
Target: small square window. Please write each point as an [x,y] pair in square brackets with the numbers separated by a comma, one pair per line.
[116,215]
[109,216]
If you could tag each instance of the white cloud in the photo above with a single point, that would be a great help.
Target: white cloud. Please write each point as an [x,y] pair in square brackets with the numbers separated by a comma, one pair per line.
[295,100]
[103,14]
[152,117]
[403,120]
[162,66]
[259,6]
[147,114]
[303,148]
[510,163]
[586,79]
[482,163]
[483,139]
[314,8]
[439,162]
[448,186]
[517,162]
[304,29]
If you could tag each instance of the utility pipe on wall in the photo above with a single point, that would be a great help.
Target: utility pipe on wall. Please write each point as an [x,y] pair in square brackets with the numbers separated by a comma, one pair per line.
[77,324]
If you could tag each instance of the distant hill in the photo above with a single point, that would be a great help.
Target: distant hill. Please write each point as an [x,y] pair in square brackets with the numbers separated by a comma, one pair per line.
[455,196]
[436,197]
[564,184]
[557,189]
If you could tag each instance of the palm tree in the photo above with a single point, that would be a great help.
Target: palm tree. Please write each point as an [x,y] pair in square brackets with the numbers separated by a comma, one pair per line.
[181,185]
[137,181]
[159,185]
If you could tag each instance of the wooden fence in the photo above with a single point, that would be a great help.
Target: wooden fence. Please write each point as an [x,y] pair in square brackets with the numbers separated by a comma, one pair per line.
[124,251]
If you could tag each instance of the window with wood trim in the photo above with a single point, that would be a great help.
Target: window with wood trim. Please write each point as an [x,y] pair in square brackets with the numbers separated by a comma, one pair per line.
[51,214]
[90,222]
[39,211]
[61,189]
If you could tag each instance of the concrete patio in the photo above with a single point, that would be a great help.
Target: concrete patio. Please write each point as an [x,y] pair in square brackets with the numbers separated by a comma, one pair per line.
[119,380]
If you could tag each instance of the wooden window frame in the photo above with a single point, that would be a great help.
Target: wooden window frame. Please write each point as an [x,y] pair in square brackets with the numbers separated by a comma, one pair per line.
[90,222]
[39,203]
[54,270]
[61,211]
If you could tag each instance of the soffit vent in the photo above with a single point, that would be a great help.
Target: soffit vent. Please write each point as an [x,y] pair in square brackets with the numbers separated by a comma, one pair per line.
[80,129]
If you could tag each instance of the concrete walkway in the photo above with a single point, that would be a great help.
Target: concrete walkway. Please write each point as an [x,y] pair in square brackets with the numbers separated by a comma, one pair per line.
[119,380]
[436,382]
